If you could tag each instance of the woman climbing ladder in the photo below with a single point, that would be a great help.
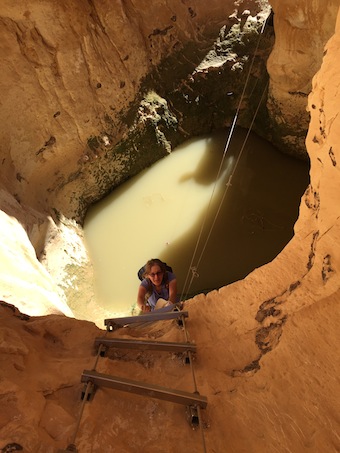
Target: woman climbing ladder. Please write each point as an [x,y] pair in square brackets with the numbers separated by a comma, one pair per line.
[158,287]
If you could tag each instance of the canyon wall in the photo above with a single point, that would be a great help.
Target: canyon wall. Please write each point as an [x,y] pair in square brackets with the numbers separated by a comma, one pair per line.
[81,111]
[267,346]
[71,75]
[80,115]
[301,30]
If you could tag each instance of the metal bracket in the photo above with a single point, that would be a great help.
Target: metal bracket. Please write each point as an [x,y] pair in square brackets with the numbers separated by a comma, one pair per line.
[89,392]
[103,350]
[192,416]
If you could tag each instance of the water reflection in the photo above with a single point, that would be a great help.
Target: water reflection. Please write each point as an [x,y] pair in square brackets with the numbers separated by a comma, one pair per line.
[161,212]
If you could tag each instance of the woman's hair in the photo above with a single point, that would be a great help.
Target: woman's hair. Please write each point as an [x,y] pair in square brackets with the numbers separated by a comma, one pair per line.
[153,262]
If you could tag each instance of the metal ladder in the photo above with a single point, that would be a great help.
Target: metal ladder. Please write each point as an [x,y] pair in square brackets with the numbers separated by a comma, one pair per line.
[194,402]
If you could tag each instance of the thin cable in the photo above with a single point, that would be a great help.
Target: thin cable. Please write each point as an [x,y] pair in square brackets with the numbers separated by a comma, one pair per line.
[201,428]
[192,268]
[88,389]
[200,423]
[189,355]
[231,176]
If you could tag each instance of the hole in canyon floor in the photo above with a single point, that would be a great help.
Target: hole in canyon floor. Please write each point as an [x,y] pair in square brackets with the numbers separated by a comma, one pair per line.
[168,212]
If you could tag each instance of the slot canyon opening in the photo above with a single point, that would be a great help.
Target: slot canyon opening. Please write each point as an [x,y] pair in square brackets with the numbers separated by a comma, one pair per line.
[182,211]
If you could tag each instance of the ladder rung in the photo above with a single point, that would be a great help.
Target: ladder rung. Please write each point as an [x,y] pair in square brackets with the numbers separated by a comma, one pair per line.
[143,344]
[150,317]
[153,391]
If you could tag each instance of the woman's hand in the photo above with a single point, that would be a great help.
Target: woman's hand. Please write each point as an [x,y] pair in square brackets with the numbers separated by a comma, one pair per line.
[173,291]
[141,300]
[146,308]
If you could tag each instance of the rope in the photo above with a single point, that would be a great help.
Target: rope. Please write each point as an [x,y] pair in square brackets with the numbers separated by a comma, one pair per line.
[192,268]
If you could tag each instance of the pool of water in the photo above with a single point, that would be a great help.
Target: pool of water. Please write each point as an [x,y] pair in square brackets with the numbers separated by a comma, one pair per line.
[183,211]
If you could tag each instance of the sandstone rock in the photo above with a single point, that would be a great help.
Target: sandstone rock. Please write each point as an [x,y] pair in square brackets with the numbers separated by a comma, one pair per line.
[24,281]
[301,32]
[267,346]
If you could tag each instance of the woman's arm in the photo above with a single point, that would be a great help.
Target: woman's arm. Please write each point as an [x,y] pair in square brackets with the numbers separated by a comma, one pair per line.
[173,291]
[141,299]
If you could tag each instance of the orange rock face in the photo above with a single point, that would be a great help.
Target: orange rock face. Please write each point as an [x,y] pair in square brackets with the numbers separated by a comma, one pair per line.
[301,31]
[68,70]
[267,346]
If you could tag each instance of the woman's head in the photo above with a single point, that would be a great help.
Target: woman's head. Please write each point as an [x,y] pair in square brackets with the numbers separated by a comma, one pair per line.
[155,270]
